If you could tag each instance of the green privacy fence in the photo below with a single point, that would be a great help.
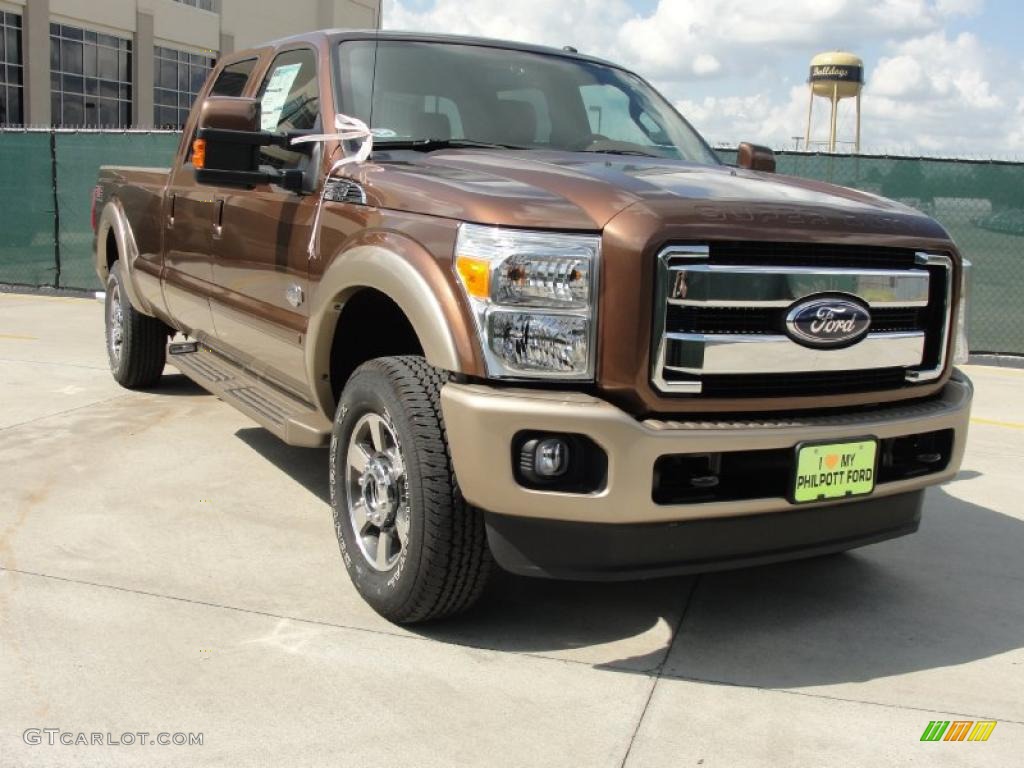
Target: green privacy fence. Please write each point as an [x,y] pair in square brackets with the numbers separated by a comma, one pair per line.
[79,156]
[46,182]
[27,225]
[46,178]
[981,205]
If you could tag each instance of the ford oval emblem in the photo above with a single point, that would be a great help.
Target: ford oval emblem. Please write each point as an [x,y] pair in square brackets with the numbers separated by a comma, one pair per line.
[825,322]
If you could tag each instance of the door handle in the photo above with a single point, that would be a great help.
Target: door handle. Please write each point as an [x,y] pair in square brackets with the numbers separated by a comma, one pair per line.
[170,214]
[218,220]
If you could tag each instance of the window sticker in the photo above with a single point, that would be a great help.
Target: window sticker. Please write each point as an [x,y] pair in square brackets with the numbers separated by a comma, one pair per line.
[276,95]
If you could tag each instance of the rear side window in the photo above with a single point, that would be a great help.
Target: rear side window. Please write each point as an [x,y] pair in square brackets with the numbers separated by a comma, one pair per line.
[233,78]
[230,82]
[289,101]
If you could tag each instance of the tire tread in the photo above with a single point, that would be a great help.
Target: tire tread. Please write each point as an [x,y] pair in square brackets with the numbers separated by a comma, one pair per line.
[144,348]
[456,563]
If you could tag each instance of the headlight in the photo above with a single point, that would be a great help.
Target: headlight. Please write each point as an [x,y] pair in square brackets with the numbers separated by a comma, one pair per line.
[961,348]
[533,296]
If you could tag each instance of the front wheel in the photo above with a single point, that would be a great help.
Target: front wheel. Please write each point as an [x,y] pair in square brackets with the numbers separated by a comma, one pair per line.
[413,547]
[136,343]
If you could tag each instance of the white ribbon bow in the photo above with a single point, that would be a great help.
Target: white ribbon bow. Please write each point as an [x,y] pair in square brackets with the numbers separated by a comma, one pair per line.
[348,129]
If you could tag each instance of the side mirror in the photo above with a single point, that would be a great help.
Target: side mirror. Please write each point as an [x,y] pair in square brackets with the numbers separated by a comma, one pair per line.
[226,150]
[754,157]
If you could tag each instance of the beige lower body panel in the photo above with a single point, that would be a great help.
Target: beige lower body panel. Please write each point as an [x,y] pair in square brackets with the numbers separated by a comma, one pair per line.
[482,420]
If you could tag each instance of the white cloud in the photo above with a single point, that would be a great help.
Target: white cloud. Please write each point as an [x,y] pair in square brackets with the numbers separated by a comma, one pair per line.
[944,93]
[706,64]
[587,24]
[668,44]
[757,117]
[929,91]
[897,76]
[960,7]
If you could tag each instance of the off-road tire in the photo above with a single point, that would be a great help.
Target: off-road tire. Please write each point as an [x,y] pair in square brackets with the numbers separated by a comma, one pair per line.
[445,563]
[143,345]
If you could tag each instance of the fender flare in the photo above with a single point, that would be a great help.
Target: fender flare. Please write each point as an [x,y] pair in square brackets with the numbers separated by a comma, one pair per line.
[113,219]
[413,279]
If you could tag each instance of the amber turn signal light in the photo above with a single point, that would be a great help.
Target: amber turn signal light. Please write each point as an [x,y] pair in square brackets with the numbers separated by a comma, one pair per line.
[199,153]
[476,276]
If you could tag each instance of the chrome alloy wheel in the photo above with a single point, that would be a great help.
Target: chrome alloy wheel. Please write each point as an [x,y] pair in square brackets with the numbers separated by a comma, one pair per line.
[375,480]
[115,324]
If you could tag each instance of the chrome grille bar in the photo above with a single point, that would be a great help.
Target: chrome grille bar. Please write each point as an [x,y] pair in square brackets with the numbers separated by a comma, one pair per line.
[937,260]
[706,285]
[697,353]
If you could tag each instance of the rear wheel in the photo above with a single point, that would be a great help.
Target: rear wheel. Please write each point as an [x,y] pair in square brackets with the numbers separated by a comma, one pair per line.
[136,343]
[413,547]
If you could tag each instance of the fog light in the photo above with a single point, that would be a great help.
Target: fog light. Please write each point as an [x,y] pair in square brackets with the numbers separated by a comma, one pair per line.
[556,462]
[551,457]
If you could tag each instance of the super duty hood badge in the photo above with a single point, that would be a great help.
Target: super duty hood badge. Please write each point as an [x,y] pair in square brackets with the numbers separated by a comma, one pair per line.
[825,322]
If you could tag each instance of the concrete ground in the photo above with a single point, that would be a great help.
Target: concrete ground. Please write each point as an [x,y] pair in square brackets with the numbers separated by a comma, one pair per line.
[167,566]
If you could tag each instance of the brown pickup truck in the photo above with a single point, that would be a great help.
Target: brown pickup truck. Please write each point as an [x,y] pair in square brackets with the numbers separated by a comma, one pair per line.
[540,323]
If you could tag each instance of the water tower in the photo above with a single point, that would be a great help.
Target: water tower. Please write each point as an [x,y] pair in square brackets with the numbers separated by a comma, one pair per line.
[835,76]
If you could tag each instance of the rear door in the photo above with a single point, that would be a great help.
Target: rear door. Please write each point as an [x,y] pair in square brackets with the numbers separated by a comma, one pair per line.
[259,243]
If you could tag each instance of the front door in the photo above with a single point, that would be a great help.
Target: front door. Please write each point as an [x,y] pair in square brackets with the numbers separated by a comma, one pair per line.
[189,214]
[259,238]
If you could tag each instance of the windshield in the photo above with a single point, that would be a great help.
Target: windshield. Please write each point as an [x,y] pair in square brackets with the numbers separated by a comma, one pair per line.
[440,92]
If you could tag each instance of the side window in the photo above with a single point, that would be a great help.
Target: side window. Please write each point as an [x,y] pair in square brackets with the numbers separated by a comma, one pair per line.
[233,78]
[289,101]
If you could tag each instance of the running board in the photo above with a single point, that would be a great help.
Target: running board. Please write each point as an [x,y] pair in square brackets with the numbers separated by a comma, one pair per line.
[292,420]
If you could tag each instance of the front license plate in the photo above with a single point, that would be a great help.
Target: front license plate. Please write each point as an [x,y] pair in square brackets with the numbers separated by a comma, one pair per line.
[834,470]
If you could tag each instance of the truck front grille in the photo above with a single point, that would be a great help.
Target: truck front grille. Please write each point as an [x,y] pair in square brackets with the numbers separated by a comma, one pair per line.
[720,319]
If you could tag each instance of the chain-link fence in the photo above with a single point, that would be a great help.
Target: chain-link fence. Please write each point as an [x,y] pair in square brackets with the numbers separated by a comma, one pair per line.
[46,239]
[27,225]
[78,158]
[45,194]
[981,205]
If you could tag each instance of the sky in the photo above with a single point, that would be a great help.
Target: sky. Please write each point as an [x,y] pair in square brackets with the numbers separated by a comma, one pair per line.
[943,77]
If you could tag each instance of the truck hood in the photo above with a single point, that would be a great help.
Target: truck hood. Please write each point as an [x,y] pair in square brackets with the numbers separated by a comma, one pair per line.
[584,191]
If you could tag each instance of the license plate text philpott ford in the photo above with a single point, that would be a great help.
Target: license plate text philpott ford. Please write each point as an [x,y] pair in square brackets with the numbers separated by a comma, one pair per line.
[834,470]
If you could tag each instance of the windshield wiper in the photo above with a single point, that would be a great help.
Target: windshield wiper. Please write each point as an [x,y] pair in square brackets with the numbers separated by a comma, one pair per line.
[634,152]
[429,145]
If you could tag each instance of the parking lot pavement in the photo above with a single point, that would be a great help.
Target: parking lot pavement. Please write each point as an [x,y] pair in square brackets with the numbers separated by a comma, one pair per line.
[167,566]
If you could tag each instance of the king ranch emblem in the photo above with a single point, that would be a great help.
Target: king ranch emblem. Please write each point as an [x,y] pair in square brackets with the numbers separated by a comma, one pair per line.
[828,322]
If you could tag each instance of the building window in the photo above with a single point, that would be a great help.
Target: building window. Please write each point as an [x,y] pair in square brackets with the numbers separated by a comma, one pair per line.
[90,78]
[10,69]
[206,5]
[178,77]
